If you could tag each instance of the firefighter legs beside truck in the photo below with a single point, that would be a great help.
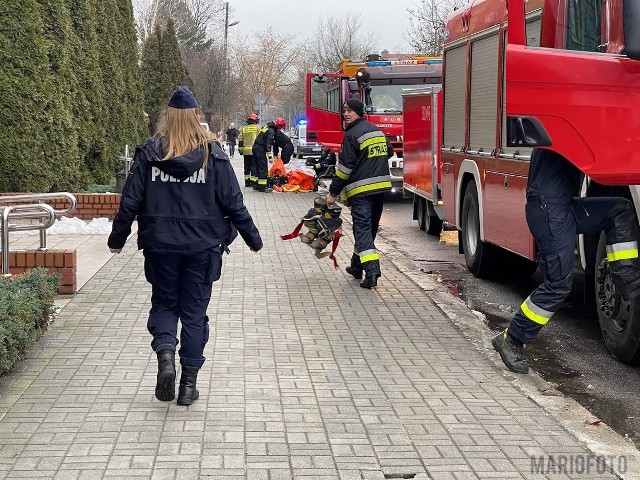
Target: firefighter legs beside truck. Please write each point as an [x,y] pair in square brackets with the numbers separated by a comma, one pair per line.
[365,213]
[555,225]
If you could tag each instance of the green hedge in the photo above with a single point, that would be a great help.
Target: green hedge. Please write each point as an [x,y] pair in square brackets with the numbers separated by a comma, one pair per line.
[26,305]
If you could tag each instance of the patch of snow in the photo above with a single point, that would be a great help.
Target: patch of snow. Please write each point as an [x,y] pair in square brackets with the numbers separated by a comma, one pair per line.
[74,226]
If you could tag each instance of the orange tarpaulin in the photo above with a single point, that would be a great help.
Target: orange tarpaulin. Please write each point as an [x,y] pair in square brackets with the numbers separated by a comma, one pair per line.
[277,168]
[305,181]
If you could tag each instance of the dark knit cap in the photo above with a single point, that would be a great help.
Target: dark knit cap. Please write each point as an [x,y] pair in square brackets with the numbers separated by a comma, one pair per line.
[356,105]
[183,98]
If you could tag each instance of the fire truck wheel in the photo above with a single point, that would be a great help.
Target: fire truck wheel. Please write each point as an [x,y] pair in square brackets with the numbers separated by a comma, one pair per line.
[421,207]
[619,320]
[476,252]
[428,218]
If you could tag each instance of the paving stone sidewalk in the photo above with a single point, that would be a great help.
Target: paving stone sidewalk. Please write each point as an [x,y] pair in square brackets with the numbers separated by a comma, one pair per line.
[307,376]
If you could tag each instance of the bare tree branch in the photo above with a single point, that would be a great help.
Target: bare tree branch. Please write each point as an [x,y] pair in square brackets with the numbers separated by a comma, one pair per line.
[428,22]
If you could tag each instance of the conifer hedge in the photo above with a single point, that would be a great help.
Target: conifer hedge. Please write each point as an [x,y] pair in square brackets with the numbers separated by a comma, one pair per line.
[71,92]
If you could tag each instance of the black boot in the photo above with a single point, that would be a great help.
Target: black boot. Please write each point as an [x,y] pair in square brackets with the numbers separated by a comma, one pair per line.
[354,272]
[370,280]
[510,350]
[166,380]
[187,393]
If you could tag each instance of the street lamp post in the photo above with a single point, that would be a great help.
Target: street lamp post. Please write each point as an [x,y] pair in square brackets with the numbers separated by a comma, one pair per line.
[225,73]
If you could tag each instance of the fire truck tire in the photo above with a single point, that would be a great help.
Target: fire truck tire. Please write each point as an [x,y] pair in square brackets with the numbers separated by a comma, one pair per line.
[477,253]
[619,320]
[421,212]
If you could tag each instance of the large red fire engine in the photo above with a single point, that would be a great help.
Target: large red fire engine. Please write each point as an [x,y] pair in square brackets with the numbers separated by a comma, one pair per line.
[566,78]
[379,83]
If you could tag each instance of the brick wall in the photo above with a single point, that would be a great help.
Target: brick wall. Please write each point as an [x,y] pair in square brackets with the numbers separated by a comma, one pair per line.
[55,261]
[93,205]
[89,205]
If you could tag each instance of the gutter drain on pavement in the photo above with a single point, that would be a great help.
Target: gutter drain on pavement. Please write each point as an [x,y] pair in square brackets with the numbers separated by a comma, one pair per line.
[399,475]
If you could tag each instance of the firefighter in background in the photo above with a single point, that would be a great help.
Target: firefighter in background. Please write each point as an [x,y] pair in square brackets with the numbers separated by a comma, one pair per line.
[283,146]
[247,136]
[362,176]
[263,150]
[555,216]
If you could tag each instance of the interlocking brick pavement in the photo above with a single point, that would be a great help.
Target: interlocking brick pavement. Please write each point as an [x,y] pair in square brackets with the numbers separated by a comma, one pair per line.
[307,376]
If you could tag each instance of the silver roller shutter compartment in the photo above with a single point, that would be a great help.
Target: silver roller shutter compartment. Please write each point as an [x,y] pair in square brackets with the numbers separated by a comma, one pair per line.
[484,96]
[455,93]
[533,40]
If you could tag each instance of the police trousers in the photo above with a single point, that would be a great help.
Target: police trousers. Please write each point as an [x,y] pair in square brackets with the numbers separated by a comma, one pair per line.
[181,289]
[365,213]
[554,226]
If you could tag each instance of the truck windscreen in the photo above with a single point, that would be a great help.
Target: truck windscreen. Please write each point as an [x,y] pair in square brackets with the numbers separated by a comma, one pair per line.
[386,98]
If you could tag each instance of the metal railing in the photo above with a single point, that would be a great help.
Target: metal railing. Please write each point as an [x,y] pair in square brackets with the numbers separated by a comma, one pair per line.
[44,213]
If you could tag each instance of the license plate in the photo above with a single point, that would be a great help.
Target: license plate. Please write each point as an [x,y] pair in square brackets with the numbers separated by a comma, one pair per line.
[316,149]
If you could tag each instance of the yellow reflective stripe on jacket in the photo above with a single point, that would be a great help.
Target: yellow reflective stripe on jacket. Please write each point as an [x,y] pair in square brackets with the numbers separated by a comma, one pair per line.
[535,313]
[378,140]
[369,187]
[622,251]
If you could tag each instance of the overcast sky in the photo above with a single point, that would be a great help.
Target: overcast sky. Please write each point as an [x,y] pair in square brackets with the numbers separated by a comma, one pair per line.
[388,18]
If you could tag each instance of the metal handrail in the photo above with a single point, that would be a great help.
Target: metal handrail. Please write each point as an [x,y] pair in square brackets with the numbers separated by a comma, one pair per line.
[31,197]
[45,213]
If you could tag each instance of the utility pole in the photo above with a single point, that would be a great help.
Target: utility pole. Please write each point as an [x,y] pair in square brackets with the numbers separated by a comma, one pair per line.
[225,73]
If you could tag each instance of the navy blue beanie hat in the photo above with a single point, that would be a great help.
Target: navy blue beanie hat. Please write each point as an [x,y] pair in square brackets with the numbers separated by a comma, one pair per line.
[183,98]
[356,105]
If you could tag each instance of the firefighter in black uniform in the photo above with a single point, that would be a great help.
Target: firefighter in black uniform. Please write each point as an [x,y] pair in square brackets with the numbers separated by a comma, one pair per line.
[362,176]
[247,136]
[263,150]
[555,216]
[186,197]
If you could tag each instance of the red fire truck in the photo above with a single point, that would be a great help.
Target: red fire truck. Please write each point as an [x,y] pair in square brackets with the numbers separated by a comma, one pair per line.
[566,78]
[379,83]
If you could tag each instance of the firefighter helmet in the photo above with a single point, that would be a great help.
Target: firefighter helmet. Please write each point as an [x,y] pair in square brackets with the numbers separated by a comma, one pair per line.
[253,116]
[280,123]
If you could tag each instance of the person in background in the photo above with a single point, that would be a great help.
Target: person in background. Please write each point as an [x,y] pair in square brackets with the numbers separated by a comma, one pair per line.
[186,197]
[232,137]
[263,150]
[362,176]
[246,138]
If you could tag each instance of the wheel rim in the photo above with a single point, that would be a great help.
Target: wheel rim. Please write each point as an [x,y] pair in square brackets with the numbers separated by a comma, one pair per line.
[472,229]
[609,302]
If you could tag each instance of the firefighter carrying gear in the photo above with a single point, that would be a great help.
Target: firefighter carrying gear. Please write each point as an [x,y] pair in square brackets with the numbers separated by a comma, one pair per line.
[362,176]
[246,138]
[323,225]
[555,217]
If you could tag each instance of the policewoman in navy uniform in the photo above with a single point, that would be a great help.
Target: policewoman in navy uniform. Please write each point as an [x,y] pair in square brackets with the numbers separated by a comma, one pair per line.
[185,194]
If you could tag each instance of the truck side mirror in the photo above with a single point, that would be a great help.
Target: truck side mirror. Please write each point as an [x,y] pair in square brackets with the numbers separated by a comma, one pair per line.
[631,25]
[320,79]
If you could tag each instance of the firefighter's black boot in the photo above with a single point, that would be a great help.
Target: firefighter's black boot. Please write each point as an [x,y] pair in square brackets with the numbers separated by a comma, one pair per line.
[510,350]
[166,380]
[355,269]
[370,280]
[355,273]
[187,393]
[248,183]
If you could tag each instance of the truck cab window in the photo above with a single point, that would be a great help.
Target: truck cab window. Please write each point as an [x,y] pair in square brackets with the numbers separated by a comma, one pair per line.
[584,20]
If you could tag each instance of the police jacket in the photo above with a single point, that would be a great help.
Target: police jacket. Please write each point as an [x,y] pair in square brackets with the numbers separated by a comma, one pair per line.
[247,136]
[363,166]
[552,178]
[181,207]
